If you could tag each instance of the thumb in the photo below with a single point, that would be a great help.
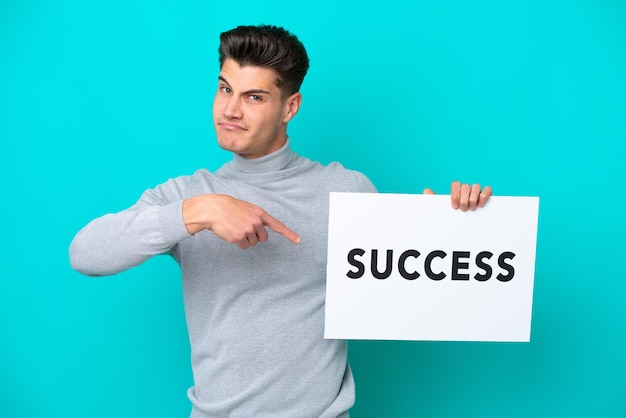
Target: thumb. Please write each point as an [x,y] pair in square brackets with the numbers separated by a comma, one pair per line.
[428,191]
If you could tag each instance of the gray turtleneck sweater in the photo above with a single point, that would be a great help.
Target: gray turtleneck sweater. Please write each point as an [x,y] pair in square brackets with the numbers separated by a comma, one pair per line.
[255,317]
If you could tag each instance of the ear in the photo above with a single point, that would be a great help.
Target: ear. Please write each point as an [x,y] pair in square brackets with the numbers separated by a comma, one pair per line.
[292,105]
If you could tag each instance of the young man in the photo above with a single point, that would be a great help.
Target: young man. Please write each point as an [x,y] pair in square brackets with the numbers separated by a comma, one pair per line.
[255,318]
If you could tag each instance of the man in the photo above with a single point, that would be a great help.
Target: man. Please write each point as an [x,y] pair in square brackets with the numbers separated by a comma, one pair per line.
[255,318]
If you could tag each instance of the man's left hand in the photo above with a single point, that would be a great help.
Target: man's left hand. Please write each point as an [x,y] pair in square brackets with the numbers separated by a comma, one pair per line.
[466,197]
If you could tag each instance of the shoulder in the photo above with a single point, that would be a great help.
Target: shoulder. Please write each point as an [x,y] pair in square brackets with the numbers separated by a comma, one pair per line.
[180,187]
[343,179]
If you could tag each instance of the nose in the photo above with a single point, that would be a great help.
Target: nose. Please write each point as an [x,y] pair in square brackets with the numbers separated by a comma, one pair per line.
[233,108]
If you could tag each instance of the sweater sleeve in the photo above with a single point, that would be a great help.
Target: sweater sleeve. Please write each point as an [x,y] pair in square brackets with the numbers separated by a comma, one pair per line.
[118,241]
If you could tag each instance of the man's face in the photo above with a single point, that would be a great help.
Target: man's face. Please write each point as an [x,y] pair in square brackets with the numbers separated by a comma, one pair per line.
[249,113]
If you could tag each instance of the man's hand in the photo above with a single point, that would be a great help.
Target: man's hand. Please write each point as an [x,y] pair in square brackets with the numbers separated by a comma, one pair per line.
[233,220]
[464,196]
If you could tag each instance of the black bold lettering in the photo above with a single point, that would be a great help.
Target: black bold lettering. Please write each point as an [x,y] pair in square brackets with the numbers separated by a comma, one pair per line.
[401,266]
[457,265]
[482,265]
[388,265]
[427,265]
[507,255]
[360,267]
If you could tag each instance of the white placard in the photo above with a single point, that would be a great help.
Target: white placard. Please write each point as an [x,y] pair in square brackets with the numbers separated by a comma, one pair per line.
[409,267]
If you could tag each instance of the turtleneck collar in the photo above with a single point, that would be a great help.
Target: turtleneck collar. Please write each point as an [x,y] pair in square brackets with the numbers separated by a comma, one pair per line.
[275,161]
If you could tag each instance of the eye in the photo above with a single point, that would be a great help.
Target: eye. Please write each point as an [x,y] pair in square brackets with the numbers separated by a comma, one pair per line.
[225,89]
[255,98]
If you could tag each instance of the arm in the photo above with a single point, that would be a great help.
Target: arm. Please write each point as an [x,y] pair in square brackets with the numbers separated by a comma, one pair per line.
[116,242]
[464,196]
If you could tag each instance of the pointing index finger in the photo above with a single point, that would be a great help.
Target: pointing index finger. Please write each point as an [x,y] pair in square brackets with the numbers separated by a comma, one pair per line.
[279,227]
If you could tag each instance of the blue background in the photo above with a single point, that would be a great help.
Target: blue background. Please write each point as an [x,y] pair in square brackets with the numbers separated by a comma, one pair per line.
[100,100]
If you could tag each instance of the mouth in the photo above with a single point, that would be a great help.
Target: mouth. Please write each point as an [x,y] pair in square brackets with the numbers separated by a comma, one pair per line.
[229,126]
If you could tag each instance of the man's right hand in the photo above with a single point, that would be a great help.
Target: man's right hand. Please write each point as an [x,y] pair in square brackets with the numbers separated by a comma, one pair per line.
[233,220]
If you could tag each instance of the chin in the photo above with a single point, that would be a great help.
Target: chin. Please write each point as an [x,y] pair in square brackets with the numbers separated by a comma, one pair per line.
[230,145]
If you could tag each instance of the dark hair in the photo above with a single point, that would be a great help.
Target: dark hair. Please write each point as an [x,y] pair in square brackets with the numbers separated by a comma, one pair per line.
[269,47]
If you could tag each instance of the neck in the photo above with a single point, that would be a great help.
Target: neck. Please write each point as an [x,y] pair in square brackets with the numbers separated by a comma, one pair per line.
[274,161]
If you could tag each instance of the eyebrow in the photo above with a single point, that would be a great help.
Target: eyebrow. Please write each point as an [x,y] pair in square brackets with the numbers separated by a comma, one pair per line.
[251,91]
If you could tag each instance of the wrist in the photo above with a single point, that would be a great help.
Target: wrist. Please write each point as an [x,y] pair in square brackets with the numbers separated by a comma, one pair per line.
[195,213]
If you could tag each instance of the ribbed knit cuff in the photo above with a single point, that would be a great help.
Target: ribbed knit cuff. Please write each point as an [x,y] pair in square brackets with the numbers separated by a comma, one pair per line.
[171,224]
